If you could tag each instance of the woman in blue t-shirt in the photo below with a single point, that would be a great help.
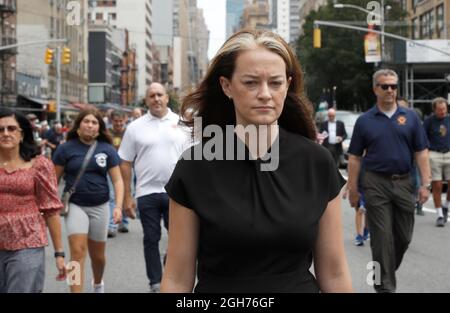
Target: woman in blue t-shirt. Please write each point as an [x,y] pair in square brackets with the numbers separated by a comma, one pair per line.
[88,217]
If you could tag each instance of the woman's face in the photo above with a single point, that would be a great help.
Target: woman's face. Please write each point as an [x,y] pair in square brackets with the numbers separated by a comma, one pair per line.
[10,133]
[89,127]
[258,87]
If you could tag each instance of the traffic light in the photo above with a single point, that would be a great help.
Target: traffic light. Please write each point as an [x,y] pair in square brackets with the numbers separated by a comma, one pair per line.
[49,56]
[51,106]
[66,55]
[317,38]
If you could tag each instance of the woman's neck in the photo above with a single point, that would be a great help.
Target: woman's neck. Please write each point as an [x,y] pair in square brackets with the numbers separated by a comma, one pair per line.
[257,138]
[9,156]
[86,141]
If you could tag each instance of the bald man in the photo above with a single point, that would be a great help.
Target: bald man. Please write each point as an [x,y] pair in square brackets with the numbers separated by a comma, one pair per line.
[334,133]
[153,145]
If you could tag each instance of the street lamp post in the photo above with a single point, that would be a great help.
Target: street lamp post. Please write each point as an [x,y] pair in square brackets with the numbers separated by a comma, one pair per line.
[381,16]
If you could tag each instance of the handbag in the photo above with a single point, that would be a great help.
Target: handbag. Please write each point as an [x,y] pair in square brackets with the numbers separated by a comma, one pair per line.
[65,197]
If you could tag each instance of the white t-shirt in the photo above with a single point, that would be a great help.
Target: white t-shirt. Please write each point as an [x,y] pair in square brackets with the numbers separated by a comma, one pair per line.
[332,133]
[154,145]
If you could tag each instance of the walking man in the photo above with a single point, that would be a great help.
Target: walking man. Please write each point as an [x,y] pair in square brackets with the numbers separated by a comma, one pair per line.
[117,131]
[334,134]
[437,128]
[391,137]
[153,144]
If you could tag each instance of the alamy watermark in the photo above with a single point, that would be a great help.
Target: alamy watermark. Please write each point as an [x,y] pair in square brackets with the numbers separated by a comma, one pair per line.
[73,17]
[374,276]
[221,146]
[374,17]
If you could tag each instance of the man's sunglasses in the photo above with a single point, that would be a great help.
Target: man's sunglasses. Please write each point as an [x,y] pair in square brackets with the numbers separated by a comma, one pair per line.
[386,86]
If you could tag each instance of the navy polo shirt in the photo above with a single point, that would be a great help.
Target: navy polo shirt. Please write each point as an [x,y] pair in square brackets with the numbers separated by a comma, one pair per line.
[437,131]
[390,143]
[92,189]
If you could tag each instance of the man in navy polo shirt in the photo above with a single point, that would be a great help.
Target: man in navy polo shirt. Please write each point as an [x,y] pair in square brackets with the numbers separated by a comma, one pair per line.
[437,128]
[391,137]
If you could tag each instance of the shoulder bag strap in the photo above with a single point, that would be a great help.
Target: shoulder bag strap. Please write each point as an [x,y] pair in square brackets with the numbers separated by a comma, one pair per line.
[84,166]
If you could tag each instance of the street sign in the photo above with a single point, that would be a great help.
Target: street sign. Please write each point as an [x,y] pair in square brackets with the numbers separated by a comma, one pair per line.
[372,47]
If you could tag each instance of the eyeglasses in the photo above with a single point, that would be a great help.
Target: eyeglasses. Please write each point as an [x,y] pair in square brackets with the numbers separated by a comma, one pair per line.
[10,129]
[386,86]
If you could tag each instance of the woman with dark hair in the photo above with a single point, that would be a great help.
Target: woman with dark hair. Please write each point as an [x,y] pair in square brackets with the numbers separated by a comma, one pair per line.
[253,227]
[28,203]
[88,217]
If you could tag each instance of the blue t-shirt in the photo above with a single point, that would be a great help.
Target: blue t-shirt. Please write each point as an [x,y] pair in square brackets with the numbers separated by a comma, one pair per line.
[438,132]
[390,143]
[92,189]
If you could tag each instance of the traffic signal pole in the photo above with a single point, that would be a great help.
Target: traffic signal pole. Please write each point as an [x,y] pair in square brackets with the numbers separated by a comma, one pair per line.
[317,24]
[32,43]
[58,84]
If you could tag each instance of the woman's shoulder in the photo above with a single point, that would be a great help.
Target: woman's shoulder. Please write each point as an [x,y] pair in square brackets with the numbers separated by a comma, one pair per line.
[304,145]
[41,163]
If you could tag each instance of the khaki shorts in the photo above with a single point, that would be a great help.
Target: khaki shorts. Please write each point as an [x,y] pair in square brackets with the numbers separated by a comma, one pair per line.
[440,165]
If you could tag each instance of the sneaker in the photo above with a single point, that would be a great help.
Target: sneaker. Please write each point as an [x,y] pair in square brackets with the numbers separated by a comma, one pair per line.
[366,235]
[440,222]
[123,229]
[419,210]
[112,233]
[359,241]
[100,288]
[155,288]
[445,211]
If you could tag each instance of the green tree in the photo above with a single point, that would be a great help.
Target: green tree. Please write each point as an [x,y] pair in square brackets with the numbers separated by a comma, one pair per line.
[340,62]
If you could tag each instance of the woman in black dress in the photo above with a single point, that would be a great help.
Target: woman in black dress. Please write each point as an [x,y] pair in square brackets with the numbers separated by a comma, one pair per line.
[257,207]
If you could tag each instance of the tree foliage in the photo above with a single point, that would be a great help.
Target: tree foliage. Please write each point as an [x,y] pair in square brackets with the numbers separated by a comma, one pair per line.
[340,62]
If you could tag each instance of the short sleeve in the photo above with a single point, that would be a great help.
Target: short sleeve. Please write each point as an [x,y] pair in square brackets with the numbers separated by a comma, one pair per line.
[357,145]
[335,181]
[113,157]
[46,185]
[177,187]
[420,136]
[127,149]
[59,156]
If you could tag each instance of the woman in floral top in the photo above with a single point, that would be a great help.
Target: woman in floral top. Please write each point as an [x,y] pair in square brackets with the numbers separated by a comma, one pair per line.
[29,204]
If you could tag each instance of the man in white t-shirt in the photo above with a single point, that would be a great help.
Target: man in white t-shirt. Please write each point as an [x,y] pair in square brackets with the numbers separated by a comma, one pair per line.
[152,144]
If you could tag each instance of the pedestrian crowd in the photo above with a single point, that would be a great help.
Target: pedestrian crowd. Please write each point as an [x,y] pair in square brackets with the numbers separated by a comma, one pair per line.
[235,224]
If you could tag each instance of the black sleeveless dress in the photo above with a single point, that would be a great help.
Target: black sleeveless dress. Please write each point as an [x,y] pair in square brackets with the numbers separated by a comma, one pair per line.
[258,228]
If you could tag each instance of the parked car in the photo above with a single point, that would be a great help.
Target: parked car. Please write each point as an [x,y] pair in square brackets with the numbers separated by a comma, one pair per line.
[349,119]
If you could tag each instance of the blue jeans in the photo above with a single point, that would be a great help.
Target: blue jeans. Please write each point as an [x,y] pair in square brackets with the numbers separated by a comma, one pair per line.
[112,205]
[22,271]
[151,208]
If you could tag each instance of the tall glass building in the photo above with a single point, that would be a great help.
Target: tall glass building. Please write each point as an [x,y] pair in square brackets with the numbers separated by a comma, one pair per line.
[235,8]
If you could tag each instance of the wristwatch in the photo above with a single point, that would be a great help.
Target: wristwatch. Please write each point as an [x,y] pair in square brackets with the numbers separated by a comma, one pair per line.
[427,186]
[60,254]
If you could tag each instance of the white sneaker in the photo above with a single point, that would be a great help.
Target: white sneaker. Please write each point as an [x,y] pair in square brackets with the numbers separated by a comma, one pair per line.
[98,288]
[155,288]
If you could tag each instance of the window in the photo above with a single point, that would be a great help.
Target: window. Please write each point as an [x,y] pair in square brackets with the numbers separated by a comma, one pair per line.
[98,16]
[431,23]
[440,20]
[415,28]
[424,26]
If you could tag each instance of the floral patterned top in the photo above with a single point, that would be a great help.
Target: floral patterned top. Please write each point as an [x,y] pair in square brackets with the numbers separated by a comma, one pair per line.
[26,196]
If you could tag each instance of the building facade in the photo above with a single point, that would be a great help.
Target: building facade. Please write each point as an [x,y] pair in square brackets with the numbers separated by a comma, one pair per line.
[8,86]
[137,17]
[429,19]
[235,9]
[43,20]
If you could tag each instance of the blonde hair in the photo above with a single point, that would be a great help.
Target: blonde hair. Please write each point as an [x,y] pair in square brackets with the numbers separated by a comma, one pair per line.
[209,101]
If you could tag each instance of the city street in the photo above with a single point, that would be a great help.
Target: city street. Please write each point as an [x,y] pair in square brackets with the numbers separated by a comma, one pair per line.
[425,268]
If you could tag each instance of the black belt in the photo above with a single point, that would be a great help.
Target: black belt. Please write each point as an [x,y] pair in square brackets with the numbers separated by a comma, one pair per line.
[393,176]
[441,150]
